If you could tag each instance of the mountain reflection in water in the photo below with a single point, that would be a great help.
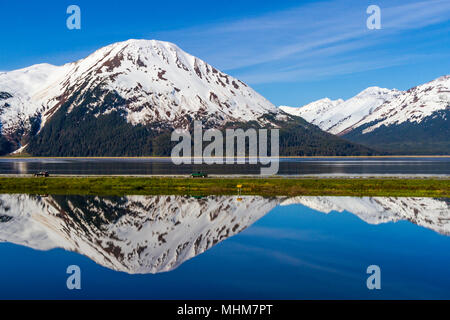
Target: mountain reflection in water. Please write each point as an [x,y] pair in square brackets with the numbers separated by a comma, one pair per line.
[152,234]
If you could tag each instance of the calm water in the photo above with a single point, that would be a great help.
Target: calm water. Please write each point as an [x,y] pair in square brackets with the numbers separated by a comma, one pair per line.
[303,166]
[181,247]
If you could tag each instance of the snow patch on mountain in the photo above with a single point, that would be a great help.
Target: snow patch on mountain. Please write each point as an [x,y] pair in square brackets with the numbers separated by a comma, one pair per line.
[312,112]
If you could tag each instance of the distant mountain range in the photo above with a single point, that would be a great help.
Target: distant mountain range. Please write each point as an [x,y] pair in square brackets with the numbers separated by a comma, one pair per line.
[153,234]
[415,121]
[125,100]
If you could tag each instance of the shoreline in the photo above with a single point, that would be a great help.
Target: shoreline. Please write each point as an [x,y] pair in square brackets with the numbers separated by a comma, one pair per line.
[342,176]
[280,157]
[263,186]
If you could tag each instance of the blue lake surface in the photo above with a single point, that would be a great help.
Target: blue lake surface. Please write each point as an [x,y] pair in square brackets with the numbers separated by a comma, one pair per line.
[431,166]
[224,247]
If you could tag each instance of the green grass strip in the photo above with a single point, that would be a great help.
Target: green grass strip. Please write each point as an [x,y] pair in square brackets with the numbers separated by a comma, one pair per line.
[395,187]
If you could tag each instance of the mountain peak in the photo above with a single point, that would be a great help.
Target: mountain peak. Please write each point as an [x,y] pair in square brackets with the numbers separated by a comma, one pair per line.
[376,91]
[141,46]
[144,43]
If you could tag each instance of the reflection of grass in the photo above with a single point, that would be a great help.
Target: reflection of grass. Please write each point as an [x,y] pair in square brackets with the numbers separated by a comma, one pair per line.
[227,186]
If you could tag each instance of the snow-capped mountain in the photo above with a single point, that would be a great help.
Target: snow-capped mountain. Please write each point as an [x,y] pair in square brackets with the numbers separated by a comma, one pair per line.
[125,99]
[157,81]
[413,105]
[337,116]
[314,111]
[26,93]
[412,121]
[133,234]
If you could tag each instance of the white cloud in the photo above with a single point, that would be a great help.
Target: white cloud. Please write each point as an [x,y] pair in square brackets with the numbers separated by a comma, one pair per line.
[313,40]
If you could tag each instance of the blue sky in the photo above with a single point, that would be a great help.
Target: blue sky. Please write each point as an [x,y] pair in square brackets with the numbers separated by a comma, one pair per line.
[292,52]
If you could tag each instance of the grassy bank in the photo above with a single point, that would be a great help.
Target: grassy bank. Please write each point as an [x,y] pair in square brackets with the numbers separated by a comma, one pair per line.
[227,186]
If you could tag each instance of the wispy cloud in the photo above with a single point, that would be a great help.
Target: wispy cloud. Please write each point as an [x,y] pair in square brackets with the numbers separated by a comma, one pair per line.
[312,41]
[325,70]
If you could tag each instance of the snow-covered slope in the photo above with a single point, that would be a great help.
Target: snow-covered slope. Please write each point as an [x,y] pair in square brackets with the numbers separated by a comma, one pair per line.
[26,93]
[314,111]
[412,106]
[156,82]
[337,116]
[161,82]
[134,234]
[430,213]
[376,107]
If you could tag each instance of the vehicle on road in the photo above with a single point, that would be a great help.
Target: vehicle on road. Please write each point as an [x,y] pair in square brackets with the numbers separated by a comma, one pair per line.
[199,175]
[41,174]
